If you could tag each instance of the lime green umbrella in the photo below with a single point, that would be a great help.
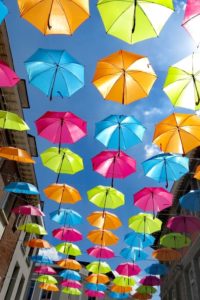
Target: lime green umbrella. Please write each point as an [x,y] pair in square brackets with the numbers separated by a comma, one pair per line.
[144,223]
[182,84]
[135,20]
[33,228]
[175,240]
[71,291]
[98,267]
[124,281]
[68,249]
[9,120]
[105,197]
[146,289]
[47,279]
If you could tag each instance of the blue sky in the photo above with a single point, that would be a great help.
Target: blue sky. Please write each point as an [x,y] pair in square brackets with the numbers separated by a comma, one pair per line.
[89,44]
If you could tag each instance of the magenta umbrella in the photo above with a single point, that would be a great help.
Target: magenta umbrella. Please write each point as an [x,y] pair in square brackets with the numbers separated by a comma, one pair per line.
[185,224]
[71,284]
[128,269]
[101,252]
[28,210]
[8,77]
[45,270]
[150,281]
[97,294]
[67,234]
[153,199]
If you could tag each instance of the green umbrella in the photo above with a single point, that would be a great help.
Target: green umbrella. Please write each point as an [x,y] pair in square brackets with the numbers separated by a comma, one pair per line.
[146,289]
[47,279]
[105,197]
[124,281]
[182,84]
[135,20]
[144,223]
[32,228]
[175,240]
[98,267]
[68,249]
[71,291]
[9,120]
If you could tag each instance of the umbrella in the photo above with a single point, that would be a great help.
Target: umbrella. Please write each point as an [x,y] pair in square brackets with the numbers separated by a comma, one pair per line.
[119,132]
[197,173]
[98,267]
[141,296]
[71,291]
[9,120]
[71,284]
[101,252]
[191,201]
[124,281]
[8,77]
[70,275]
[105,220]
[175,240]
[182,84]
[49,287]
[178,133]
[47,279]
[135,239]
[3,12]
[21,188]
[156,269]
[135,254]
[94,294]
[121,289]
[66,217]
[69,264]
[166,254]
[185,224]
[102,237]
[144,223]
[153,199]
[97,278]
[28,210]
[67,234]
[106,197]
[124,77]
[38,243]
[146,289]
[118,296]
[150,280]
[32,228]
[191,19]
[16,154]
[166,167]
[55,72]
[60,18]
[44,270]
[68,249]
[96,287]
[61,127]
[128,269]
[134,21]
[41,259]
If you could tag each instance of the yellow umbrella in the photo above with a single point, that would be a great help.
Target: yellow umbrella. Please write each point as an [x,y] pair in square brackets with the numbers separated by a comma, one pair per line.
[104,220]
[102,237]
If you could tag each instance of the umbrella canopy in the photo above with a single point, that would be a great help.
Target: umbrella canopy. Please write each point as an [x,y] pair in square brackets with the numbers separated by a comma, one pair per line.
[69,264]
[124,77]
[175,240]
[153,199]
[97,278]
[49,287]
[135,239]
[105,220]
[178,133]
[16,154]
[182,84]
[166,167]
[41,259]
[190,201]
[121,289]
[101,252]
[191,19]
[8,77]
[71,284]
[135,254]
[124,281]
[106,197]
[67,234]
[70,275]
[134,21]
[96,287]
[95,294]
[113,164]
[32,228]
[197,173]
[38,243]
[185,224]
[66,217]
[68,249]
[3,12]
[146,289]
[45,270]
[98,267]
[140,296]
[150,280]
[166,254]
[61,127]
[21,188]
[47,279]
[55,72]
[102,237]
[62,193]
[144,223]
[9,120]
[71,291]
[28,210]
[57,18]
[128,269]
[156,269]
[119,132]
[118,295]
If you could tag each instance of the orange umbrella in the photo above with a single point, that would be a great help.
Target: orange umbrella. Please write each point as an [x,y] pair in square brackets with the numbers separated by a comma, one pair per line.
[38,243]
[97,278]
[197,173]
[49,287]
[105,220]
[124,77]
[142,296]
[166,254]
[55,17]
[69,264]
[121,289]
[102,237]
[178,133]
[16,154]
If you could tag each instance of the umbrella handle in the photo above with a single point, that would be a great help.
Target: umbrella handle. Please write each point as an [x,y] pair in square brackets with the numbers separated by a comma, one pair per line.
[134,16]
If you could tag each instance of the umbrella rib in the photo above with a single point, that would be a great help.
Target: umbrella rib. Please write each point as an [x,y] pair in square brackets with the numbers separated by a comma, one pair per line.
[38,74]
[31,8]
[61,67]
[65,13]
[134,80]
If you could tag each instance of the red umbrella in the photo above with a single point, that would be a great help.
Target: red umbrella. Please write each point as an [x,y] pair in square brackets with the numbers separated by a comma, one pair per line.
[185,224]
[101,252]
[67,234]
[128,269]
[150,280]
[95,294]
[8,77]
[71,284]
[45,270]
[28,210]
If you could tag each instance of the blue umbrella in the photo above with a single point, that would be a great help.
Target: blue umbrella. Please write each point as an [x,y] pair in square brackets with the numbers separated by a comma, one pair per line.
[41,259]
[55,72]
[138,240]
[96,287]
[3,12]
[118,295]
[165,167]
[66,217]
[191,200]
[21,188]
[156,269]
[119,132]
[135,254]
[69,274]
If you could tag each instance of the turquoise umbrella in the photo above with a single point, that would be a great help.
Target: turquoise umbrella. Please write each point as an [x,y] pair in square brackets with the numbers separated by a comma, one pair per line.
[21,188]
[3,12]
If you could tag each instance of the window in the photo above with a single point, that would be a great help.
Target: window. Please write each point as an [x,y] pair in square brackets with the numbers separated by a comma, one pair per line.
[193,287]
[46,295]
[12,282]
[20,288]
[31,289]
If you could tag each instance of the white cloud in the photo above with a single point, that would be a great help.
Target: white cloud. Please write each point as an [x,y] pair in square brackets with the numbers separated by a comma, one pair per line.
[152,112]
[179,5]
[151,150]
[51,253]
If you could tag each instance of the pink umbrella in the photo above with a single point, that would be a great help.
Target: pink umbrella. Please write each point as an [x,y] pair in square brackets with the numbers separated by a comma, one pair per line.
[153,199]
[185,224]
[45,270]
[128,269]
[101,252]
[150,281]
[71,284]
[67,234]
[8,77]
[96,294]
[28,210]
